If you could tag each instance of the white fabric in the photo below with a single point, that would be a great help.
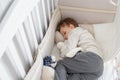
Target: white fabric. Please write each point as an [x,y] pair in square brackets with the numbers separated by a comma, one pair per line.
[105,34]
[88,11]
[56,52]
[63,47]
[90,16]
[73,52]
[109,71]
[92,4]
[88,27]
[47,73]
[36,70]
[65,51]
[80,37]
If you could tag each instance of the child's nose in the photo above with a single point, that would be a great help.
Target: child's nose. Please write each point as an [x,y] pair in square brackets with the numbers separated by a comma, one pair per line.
[65,37]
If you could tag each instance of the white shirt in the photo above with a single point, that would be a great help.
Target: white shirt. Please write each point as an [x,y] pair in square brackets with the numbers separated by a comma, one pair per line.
[80,37]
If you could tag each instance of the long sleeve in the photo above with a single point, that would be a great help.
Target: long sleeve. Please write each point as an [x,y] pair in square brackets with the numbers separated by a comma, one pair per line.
[73,38]
[81,38]
[88,43]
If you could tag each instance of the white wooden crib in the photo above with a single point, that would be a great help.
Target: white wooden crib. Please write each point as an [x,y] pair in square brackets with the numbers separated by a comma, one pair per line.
[23,24]
[28,30]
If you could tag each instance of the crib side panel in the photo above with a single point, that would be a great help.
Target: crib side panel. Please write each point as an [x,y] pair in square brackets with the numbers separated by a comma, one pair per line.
[22,29]
[44,48]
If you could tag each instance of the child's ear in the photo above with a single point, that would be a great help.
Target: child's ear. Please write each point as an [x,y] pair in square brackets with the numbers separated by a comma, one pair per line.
[71,26]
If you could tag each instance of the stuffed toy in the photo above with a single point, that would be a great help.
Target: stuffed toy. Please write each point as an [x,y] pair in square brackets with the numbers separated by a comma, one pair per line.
[65,52]
[62,45]
[49,62]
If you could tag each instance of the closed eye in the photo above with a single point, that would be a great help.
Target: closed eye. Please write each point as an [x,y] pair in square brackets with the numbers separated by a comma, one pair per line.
[64,33]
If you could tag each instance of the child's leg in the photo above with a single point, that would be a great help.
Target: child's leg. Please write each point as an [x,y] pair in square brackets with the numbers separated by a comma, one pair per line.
[81,77]
[61,73]
[73,77]
[84,63]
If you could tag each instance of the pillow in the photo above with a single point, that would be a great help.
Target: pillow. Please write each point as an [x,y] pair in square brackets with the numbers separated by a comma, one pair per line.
[88,27]
[58,37]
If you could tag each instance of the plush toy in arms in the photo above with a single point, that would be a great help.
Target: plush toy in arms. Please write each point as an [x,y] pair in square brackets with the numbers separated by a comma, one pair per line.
[64,47]
[49,62]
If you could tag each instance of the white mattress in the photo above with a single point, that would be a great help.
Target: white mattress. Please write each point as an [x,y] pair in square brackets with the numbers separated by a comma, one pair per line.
[107,47]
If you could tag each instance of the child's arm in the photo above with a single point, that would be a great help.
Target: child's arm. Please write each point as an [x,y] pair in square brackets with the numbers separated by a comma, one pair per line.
[73,39]
[69,47]
[88,43]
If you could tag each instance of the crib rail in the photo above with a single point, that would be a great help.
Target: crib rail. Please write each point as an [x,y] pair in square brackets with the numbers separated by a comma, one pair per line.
[21,30]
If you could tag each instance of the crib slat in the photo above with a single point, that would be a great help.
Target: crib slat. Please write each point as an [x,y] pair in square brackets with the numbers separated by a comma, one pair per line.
[33,31]
[35,22]
[21,37]
[14,16]
[9,69]
[3,72]
[30,34]
[44,14]
[52,4]
[48,8]
[22,50]
[39,22]
[15,59]
[56,3]
[40,9]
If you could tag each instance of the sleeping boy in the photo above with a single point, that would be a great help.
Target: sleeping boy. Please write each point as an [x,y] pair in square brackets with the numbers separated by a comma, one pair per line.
[82,59]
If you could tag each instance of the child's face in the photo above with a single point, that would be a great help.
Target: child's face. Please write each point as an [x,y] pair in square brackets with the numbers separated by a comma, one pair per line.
[66,30]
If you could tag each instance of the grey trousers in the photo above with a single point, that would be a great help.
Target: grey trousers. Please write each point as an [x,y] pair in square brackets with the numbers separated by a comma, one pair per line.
[83,66]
